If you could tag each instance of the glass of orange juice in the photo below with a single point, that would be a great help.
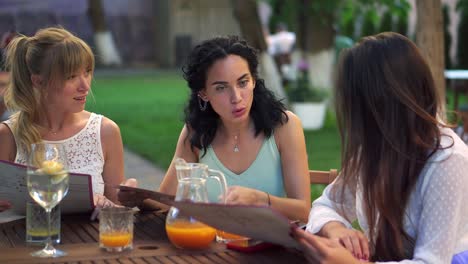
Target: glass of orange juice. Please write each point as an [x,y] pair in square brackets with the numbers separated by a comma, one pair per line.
[116,229]
[190,234]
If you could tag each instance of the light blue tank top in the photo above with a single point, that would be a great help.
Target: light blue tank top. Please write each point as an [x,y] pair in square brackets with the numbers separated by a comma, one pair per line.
[264,174]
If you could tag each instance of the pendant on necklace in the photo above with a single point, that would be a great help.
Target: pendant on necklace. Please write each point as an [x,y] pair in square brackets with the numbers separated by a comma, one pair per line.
[236,148]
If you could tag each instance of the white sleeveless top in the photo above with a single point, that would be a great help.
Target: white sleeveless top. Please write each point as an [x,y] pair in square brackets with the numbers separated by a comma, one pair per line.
[83,150]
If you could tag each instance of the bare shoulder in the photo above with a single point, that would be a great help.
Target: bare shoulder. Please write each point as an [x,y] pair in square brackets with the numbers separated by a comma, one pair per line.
[7,141]
[293,124]
[184,148]
[288,131]
[186,131]
[109,128]
[6,136]
[112,144]
[184,137]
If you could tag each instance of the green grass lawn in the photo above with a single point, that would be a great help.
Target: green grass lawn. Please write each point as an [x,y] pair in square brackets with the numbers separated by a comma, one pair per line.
[148,110]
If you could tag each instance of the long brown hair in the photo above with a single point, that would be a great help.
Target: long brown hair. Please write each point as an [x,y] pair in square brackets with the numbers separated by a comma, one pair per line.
[386,105]
[54,54]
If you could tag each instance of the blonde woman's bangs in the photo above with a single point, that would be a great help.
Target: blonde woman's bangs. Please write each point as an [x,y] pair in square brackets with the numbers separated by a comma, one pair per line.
[78,56]
[67,58]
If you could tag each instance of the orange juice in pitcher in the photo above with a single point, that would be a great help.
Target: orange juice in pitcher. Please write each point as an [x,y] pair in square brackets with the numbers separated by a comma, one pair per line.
[183,230]
[225,237]
[190,235]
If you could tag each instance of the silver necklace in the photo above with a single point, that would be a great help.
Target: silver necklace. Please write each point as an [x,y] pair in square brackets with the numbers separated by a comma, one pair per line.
[236,147]
[53,132]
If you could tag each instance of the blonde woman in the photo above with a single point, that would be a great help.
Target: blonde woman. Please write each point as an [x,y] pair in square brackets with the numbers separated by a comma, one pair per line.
[51,75]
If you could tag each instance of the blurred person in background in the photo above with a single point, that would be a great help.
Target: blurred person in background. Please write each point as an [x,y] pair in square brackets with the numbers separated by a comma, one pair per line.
[280,46]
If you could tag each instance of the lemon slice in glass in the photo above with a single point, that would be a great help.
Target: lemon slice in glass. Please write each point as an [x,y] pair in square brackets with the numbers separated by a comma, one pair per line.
[55,170]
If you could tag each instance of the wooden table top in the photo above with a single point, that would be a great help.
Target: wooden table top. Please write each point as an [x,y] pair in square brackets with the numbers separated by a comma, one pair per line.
[79,238]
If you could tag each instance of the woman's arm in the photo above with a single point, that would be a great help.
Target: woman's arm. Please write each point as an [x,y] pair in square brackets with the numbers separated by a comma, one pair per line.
[113,172]
[183,150]
[441,228]
[326,220]
[7,141]
[292,148]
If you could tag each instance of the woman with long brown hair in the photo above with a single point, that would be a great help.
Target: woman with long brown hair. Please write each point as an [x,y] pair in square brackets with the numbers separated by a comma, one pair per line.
[404,172]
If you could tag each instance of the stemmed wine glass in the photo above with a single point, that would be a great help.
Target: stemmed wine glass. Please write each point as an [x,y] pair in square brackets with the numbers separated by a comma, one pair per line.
[47,179]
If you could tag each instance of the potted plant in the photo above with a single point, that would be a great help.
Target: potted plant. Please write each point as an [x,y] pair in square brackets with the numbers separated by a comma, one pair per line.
[307,102]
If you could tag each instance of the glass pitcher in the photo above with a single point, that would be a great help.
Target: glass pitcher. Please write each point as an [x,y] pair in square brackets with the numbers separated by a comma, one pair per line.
[183,230]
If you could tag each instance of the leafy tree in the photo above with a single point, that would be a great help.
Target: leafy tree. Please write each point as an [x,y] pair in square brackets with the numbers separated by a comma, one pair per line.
[386,24]
[343,13]
[350,11]
[402,24]
[369,25]
[346,20]
[284,12]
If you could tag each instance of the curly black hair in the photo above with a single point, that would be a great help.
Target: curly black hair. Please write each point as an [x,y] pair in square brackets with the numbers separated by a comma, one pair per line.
[267,111]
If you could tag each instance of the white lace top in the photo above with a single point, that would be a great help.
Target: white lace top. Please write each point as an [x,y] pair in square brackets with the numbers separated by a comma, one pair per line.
[437,214]
[84,151]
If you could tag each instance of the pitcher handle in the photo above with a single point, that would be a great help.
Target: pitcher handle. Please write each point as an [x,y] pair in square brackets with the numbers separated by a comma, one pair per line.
[219,176]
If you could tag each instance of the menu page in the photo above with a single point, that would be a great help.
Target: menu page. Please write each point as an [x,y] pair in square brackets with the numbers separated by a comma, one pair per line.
[157,196]
[79,198]
[257,222]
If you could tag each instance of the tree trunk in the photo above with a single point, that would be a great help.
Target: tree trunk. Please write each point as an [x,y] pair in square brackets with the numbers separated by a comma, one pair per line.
[316,40]
[246,14]
[105,45]
[430,39]
[162,34]
[96,14]
[319,33]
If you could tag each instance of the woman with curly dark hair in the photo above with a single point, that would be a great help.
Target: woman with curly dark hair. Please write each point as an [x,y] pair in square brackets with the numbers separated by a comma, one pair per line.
[404,172]
[234,124]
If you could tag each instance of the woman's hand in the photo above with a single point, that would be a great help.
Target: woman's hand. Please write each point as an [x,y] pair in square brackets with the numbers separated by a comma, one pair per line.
[4,205]
[246,196]
[100,201]
[322,250]
[130,198]
[353,240]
